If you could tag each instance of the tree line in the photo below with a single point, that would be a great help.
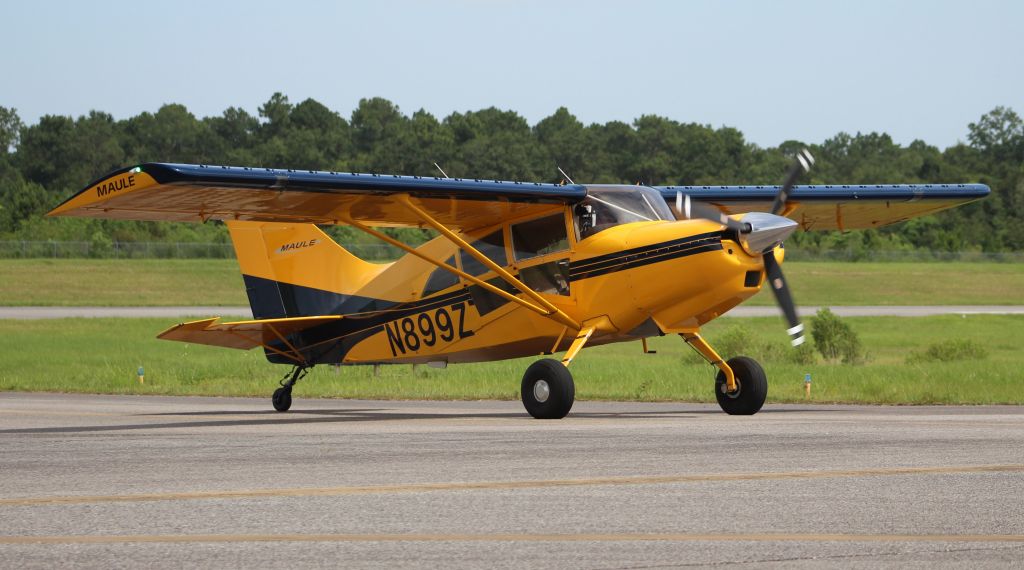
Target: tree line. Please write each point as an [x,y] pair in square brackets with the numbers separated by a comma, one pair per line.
[43,163]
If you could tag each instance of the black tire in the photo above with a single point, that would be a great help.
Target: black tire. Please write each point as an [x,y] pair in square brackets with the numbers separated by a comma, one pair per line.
[282,398]
[753,387]
[560,392]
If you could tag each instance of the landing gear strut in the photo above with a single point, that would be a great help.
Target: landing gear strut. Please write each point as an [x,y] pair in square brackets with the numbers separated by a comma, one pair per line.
[282,398]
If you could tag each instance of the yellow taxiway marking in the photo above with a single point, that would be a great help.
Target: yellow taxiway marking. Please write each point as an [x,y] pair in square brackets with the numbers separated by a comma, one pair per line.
[501,485]
[510,537]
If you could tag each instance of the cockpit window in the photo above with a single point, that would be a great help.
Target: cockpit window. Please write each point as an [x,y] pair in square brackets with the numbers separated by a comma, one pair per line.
[492,246]
[441,278]
[608,206]
[539,237]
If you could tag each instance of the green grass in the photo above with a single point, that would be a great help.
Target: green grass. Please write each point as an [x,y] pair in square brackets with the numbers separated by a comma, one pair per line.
[102,355]
[131,282]
[121,282]
[902,283]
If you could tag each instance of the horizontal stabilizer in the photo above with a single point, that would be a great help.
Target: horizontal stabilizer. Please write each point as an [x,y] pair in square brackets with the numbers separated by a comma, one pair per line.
[245,335]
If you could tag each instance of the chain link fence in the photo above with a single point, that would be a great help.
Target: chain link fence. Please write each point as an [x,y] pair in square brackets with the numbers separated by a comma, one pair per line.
[24,249]
[384,252]
[796,254]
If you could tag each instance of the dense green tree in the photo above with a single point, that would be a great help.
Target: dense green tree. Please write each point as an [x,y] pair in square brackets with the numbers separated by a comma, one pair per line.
[496,144]
[565,144]
[312,137]
[61,154]
[379,136]
[10,126]
[172,134]
[234,137]
[999,133]
[42,163]
[275,112]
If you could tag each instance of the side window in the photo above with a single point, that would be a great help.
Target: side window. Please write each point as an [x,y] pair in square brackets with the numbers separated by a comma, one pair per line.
[492,246]
[441,278]
[539,237]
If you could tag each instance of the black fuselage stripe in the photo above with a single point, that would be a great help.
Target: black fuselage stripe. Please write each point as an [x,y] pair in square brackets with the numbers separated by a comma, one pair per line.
[656,250]
[618,255]
[676,254]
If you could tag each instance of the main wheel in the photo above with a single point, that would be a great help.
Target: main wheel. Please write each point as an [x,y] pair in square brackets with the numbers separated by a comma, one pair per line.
[752,384]
[282,398]
[548,390]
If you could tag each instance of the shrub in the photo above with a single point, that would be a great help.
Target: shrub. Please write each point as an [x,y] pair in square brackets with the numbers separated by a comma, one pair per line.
[734,342]
[100,245]
[738,340]
[949,350]
[834,339]
[803,354]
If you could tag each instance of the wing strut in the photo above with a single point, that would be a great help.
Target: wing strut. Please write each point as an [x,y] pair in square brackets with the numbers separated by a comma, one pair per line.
[542,306]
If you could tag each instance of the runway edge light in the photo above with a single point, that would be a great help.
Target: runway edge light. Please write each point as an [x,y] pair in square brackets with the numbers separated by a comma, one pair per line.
[807,385]
[142,379]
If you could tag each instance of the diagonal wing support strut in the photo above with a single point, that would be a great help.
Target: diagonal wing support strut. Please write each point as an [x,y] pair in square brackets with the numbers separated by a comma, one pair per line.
[539,305]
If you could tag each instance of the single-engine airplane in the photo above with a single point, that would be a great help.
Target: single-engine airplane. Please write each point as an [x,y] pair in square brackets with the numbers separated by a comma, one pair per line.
[518,268]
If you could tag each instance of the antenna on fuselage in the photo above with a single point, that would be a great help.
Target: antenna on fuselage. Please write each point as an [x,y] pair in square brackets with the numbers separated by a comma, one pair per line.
[441,170]
[564,174]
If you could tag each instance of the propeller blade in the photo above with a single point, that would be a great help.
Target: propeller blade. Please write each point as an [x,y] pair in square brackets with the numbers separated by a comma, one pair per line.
[783,298]
[803,164]
[692,210]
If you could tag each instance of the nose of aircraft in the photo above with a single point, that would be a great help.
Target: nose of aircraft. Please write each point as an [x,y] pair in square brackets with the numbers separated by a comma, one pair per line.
[766,231]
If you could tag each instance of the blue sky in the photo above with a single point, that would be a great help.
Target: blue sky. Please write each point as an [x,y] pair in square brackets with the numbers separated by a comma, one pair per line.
[775,70]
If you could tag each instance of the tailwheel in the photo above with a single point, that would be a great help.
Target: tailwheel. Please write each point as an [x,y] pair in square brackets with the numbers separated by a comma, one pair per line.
[751,387]
[282,398]
[548,390]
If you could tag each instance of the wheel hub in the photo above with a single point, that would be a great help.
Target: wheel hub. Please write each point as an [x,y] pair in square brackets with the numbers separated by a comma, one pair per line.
[733,395]
[541,391]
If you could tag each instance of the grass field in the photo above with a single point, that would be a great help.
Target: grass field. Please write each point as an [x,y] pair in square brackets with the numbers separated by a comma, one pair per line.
[102,355]
[83,282]
[120,282]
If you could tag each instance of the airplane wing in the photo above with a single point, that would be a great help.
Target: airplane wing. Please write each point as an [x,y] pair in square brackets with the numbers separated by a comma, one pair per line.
[196,193]
[837,207]
[184,192]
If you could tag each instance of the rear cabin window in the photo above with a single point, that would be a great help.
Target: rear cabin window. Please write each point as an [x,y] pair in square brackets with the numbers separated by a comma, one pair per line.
[441,279]
[492,246]
[539,237]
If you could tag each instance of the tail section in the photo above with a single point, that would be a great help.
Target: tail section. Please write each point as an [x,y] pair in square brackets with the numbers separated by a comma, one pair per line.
[296,270]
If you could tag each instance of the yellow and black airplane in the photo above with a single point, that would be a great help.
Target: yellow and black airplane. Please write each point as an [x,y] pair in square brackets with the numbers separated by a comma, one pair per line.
[518,268]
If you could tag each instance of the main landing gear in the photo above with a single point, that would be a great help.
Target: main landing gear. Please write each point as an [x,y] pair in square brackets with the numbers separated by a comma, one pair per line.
[548,390]
[741,385]
[282,398]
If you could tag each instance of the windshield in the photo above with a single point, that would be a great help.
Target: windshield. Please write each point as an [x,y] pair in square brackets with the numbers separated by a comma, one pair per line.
[608,206]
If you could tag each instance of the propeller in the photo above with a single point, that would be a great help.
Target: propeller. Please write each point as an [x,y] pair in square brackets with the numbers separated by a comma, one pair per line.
[759,233]
[804,162]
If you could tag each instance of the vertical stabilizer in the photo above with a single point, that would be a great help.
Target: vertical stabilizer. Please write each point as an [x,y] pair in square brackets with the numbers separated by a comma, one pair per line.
[296,270]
